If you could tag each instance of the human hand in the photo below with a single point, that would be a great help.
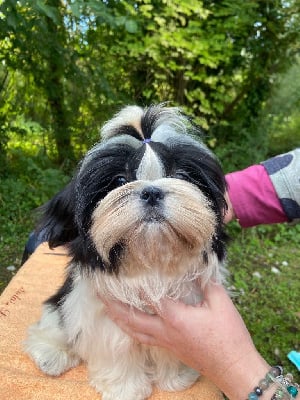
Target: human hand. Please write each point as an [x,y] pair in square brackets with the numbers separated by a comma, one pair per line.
[211,337]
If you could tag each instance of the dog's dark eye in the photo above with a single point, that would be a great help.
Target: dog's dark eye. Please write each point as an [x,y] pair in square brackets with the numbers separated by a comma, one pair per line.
[120,181]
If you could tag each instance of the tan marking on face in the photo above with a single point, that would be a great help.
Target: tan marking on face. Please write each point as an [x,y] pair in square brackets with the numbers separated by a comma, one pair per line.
[184,231]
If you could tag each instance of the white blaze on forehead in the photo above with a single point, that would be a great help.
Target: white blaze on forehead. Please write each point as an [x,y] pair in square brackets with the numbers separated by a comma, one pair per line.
[151,167]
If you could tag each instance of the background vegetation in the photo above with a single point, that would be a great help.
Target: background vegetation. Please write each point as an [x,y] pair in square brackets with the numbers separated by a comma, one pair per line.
[67,65]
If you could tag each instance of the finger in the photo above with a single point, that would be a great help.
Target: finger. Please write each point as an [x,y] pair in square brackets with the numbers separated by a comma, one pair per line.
[215,294]
[166,308]
[174,313]
[115,309]
[135,322]
[129,315]
[137,336]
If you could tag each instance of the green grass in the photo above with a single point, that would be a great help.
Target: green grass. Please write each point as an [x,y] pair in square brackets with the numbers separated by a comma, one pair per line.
[264,266]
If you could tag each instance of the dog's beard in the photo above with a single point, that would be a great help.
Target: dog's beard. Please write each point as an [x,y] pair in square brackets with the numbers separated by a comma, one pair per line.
[160,237]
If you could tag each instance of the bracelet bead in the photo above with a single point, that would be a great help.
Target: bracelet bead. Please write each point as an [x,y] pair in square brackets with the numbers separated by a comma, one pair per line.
[264,384]
[273,373]
[258,390]
[277,370]
[293,391]
[252,396]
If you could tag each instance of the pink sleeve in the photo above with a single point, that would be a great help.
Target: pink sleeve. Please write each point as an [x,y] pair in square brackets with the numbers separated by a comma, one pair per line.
[253,197]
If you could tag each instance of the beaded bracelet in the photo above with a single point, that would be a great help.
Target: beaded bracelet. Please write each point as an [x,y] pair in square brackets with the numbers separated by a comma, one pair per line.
[265,383]
[287,389]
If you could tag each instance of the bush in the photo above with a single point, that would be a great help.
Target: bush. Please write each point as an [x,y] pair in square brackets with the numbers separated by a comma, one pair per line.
[29,182]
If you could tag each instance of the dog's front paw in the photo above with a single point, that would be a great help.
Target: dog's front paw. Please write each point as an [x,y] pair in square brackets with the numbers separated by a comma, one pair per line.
[50,351]
[51,360]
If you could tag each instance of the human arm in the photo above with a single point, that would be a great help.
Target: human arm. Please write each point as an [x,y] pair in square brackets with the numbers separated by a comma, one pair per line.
[252,197]
[211,337]
[267,193]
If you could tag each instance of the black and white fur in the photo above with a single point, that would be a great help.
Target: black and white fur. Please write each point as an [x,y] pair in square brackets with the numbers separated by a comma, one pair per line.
[142,215]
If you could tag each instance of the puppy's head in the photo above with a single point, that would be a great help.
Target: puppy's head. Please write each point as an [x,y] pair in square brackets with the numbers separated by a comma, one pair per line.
[147,196]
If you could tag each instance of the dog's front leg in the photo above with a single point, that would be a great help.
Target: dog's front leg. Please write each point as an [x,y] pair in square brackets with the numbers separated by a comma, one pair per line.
[48,346]
[117,365]
[170,373]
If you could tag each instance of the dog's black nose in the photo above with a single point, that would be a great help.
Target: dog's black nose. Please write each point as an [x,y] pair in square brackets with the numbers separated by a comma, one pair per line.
[152,195]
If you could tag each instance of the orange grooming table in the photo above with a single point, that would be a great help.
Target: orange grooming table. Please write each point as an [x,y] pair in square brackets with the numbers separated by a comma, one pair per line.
[20,306]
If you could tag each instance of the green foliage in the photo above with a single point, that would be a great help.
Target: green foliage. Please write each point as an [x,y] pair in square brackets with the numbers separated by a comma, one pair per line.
[78,61]
[30,182]
[281,113]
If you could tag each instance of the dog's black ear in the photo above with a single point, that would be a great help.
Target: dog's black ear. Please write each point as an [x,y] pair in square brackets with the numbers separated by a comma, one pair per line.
[57,225]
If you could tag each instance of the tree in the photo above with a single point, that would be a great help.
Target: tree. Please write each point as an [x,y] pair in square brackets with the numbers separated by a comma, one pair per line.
[38,38]
[85,58]
[51,43]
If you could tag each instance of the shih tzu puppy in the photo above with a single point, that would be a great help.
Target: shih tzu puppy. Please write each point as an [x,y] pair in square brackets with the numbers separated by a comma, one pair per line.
[142,219]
